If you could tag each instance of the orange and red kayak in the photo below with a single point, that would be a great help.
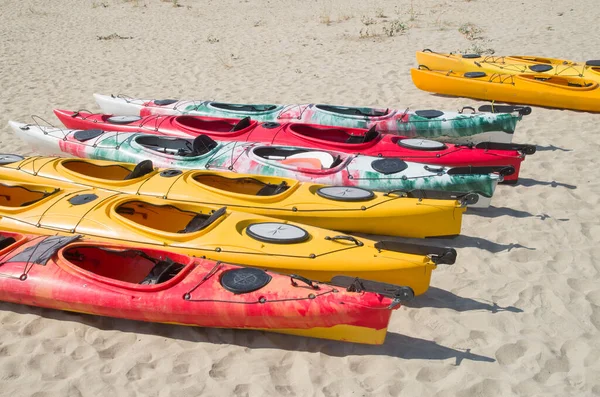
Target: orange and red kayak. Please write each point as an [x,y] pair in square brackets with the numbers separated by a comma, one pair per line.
[147,284]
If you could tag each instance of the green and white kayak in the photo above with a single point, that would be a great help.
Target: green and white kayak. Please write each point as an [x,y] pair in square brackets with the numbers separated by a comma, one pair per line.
[309,165]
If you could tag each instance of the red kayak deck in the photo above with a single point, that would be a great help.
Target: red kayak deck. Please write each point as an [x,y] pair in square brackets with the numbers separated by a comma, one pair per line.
[348,140]
[74,274]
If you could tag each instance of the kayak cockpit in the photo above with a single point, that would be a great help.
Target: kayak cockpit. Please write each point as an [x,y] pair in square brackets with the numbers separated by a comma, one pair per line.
[336,135]
[291,157]
[201,125]
[244,108]
[132,266]
[258,186]
[90,169]
[199,146]
[363,112]
[23,195]
[152,217]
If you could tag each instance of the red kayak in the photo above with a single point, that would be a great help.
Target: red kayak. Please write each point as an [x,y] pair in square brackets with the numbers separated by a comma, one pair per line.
[348,140]
[146,284]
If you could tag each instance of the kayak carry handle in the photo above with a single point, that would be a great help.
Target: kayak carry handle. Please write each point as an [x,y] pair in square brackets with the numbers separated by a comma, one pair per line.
[522,110]
[347,238]
[439,255]
[305,280]
[467,108]
[502,170]
[355,284]
[526,149]
[464,197]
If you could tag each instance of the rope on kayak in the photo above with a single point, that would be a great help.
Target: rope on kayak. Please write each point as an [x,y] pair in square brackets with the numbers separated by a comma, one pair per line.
[500,63]
[28,263]
[35,117]
[212,272]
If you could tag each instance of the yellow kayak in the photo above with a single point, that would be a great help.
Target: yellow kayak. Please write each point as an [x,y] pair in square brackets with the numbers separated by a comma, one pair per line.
[531,89]
[215,233]
[514,64]
[347,209]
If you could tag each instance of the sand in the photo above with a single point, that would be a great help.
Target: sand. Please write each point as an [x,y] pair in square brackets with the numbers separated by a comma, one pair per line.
[518,314]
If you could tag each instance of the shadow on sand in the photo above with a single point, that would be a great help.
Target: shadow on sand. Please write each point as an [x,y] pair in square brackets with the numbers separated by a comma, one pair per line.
[551,148]
[496,212]
[527,182]
[396,345]
[442,299]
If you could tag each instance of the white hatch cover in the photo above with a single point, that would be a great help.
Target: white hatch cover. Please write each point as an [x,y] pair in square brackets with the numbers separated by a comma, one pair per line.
[421,144]
[9,158]
[278,233]
[344,193]
[123,119]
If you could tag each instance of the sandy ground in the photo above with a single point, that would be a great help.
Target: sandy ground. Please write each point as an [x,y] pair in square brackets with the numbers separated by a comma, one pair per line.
[519,313]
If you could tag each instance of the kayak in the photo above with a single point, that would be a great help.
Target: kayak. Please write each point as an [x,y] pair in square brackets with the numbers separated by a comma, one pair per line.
[347,140]
[307,165]
[514,64]
[155,285]
[347,209]
[216,233]
[531,89]
[460,127]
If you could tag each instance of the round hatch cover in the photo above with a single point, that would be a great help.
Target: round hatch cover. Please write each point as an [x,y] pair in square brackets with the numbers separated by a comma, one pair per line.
[170,173]
[429,114]
[345,193]
[389,165]
[10,158]
[474,75]
[270,124]
[541,68]
[471,56]
[593,62]
[421,144]
[82,199]
[123,119]
[244,280]
[277,233]
[165,102]
[86,135]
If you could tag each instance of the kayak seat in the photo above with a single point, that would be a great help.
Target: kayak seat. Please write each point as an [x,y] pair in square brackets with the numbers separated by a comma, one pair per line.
[162,271]
[271,190]
[181,146]
[324,159]
[242,124]
[143,168]
[237,107]
[368,137]
[203,144]
[6,242]
[201,221]
[353,111]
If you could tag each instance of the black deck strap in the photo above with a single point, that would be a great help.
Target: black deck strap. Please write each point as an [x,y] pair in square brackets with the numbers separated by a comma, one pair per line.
[439,255]
[429,113]
[165,102]
[242,124]
[593,62]
[201,221]
[355,284]
[522,110]
[502,170]
[244,280]
[6,242]
[464,197]
[86,135]
[541,68]
[526,149]
[41,252]
[203,144]
[474,75]
[143,168]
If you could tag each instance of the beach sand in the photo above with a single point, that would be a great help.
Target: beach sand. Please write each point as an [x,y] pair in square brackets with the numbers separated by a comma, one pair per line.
[518,314]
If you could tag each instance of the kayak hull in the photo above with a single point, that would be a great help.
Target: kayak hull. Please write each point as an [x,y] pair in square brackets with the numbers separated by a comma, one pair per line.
[347,140]
[78,277]
[255,158]
[445,126]
[539,90]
